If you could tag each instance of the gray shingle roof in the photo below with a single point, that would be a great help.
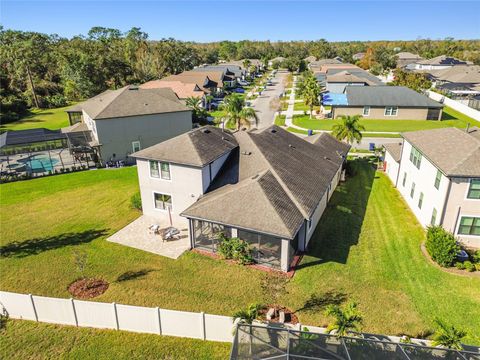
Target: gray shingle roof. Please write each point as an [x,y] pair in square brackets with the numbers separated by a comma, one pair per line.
[131,101]
[454,151]
[292,174]
[395,149]
[197,147]
[444,60]
[358,72]
[388,96]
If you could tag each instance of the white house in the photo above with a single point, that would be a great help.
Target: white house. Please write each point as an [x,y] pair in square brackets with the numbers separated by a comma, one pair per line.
[439,63]
[438,174]
[253,185]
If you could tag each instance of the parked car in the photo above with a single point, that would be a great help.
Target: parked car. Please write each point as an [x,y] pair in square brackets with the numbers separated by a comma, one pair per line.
[243,83]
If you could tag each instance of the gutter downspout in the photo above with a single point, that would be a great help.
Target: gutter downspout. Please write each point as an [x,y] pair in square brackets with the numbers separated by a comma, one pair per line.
[400,162]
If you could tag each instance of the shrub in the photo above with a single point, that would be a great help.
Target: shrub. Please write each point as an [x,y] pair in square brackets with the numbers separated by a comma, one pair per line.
[136,201]
[469,266]
[442,246]
[459,265]
[477,266]
[476,257]
[236,249]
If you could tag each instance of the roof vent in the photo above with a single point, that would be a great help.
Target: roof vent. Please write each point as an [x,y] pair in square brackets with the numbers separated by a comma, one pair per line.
[255,176]
[246,153]
[291,146]
[326,158]
[273,131]
[133,87]
[146,104]
[206,131]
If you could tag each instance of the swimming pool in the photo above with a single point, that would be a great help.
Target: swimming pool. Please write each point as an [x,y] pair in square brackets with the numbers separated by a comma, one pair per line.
[40,163]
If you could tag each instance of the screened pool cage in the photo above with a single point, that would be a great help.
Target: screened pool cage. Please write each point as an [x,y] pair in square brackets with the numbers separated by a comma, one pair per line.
[253,342]
[37,152]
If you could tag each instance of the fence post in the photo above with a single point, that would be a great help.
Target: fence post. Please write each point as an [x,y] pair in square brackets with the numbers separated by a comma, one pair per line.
[33,307]
[204,332]
[74,312]
[159,321]
[115,315]
[299,326]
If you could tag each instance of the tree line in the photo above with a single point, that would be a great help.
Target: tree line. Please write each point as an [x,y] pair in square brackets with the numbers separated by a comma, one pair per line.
[46,71]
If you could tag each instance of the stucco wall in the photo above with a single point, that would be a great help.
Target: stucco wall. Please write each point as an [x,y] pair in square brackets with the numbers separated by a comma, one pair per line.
[185,187]
[457,206]
[392,167]
[424,179]
[379,113]
[116,135]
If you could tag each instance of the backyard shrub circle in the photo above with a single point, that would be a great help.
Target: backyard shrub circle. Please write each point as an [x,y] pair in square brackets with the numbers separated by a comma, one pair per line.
[87,288]
[442,246]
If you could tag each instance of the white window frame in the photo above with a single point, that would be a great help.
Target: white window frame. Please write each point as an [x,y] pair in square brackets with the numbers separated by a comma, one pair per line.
[391,111]
[135,143]
[468,190]
[436,214]
[412,191]
[458,226]
[366,113]
[160,170]
[420,200]
[162,193]
[439,180]
[404,180]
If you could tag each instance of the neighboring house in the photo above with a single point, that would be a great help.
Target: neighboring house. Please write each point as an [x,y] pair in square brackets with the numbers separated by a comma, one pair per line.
[461,82]
[318,64]
[231,73]
[407,59]
[268,187]
[210,82]
[278,59]
[439,63]
[310,59]
[358,56]
[126,120]
[438,174]
[387,102]
[337,81]
[253,62]
[182,90]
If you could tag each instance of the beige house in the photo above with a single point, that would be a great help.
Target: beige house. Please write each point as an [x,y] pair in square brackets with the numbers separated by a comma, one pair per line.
[438,174]
[120,122]
[253,185]
[388,103]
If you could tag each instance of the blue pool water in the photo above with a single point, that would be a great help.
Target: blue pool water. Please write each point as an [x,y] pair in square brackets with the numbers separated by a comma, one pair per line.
[40,163]
[334,99]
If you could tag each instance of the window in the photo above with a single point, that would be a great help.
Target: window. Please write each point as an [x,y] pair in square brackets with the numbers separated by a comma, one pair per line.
[160,169]
[154,169]
[415,157]
[420,201]
[366,110]
[162,201]
[391,110]
[412,190]
[165,170]
[438,177]
[434,217]
[136,146]
[469,225]
[474,189]
[404,179]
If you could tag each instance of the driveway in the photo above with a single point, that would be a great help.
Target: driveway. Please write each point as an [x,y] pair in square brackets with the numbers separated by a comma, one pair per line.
[262,103]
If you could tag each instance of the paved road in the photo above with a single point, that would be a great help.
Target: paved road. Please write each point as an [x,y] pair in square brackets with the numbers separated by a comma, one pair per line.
[262,103]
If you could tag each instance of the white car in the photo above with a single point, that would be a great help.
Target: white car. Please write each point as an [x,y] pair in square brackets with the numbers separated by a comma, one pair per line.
[243,83]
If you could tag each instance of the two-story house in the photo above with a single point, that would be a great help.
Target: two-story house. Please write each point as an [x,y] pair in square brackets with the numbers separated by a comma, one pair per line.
[438,174]
[267,187]
[120,122]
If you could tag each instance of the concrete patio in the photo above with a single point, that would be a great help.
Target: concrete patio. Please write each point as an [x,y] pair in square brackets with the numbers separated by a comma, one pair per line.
[138,235]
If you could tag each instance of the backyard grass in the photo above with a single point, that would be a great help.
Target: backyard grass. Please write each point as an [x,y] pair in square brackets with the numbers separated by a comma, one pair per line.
[365,134]
[280,120]
[301,106]
[29,340]
[366,248]
[40,118]
[451,118]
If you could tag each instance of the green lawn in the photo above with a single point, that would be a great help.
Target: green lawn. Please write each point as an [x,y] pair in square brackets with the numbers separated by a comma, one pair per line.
[280,120]
[29,340]
[366,248]
[451,118]
[365,134]
[301,106]
[47,118]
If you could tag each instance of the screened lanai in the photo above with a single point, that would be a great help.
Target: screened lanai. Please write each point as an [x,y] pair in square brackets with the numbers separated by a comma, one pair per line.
[273,343]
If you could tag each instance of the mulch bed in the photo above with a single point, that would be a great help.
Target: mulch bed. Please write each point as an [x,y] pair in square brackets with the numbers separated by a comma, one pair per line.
[451,270]
[87,288]
[290,317]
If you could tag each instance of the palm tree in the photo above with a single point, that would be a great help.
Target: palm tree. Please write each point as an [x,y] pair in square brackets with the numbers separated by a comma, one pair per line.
[249,314]
[310,89]
[345,320]
[236,114]
[208,101]
[194,103]
[349,129]
[448,336]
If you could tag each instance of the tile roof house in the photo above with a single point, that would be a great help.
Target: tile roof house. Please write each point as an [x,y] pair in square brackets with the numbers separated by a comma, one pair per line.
[182,90]
[267,187]
[462,81]
[439,63]
[405,59]
[125,120]
[438,174]
[388,102]
[210,82]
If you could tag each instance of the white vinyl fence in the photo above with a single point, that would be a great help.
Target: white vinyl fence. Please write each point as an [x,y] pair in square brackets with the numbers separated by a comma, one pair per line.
[464,109]
[115,316]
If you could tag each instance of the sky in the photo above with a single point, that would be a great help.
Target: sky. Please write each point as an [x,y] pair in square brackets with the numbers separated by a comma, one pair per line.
[205,21]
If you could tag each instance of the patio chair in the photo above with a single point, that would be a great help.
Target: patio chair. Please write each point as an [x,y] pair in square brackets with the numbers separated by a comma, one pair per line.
[154,229]
[170,233]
